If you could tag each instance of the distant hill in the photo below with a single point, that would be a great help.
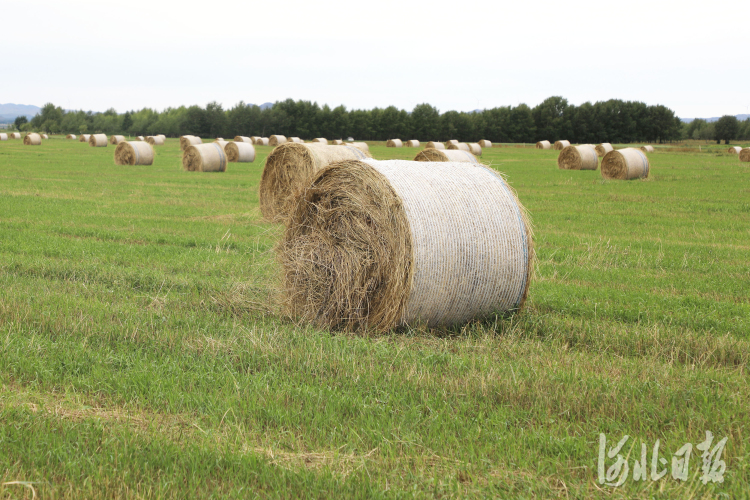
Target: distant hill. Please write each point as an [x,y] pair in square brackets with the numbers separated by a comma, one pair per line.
[265,105]
[9,112]
[713,119]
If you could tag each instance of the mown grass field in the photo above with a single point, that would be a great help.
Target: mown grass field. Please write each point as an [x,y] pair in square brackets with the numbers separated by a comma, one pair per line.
[142,356]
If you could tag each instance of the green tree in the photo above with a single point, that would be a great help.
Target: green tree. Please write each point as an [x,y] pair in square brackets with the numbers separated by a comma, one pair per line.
[726,129]
[127,122]
[20,121]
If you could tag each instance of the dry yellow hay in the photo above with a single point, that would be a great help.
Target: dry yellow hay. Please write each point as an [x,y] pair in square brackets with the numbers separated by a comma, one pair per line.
[485,143]
[288,170]
[32,140]
[735,150]
[134,153]
[337,142]
[603,148]
[625,164]
[242,138]
[560,145]
[381,244]
[44,136]
[296,139]
[71,136]
[84,137]
[241,152]
[98,141]
[155,140]
[189,140]
[204,158]
[413,143]
[276,140]
[321,140]
[647,149]
[3,137]
[14,135]
[446,155]
[543,145]
[578,158]
[218,139]
[475,149]
[254,138]
[262,141]
[452,141]
[461,145]
[745,154]
[116,139]
[394,143]
[362,146]
[435,145]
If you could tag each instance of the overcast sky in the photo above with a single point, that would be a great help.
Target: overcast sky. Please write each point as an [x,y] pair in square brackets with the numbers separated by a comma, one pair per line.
[462,55]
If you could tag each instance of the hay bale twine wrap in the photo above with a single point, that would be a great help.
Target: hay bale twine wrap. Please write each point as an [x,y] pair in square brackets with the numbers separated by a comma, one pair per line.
[745,154]
[296,139]
[452,141]
[84,137]
[380,244]
[475,149]
[242,138]
[455,155]
[189,140]
[735,150]
[603,148]
[288,171]
[134,153]
[262,141]
[321,140]
[578,158]
[14,135]
[205,158]
[543,145]
[461,145]
[239,152]
[32,140]
[435,145]
[394,143]
[625,164]
[155,140]
[276,140]
[647,149]
[3,137]
[116,139]
[560,145]
[412,143]
[71,136]
[485,143]
[98,141]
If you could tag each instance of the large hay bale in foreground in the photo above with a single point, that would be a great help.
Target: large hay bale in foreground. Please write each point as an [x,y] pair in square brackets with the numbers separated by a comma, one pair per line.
[71,136]
[435,145]
[475,149]
[262,141]
[625,164]
[276,140]
[14,135]
[32,140]
[543,145]
[735,150]
[461,145]
[485,143]
[321,140]
[413,143]
[204,158]
[98,141]
[3,137]
[446,155]
[380,244]
[296,139]
[578,158]
[745,154]
[560,145]
[84,138]
[394,143]
[155,140]
[189,140]
[239,152]
[647,149]
[288,171]
[116,139]
[242,138]
[603,148]
[134,153]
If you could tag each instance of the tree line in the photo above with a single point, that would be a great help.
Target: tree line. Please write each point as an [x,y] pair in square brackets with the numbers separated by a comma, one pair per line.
[613,121]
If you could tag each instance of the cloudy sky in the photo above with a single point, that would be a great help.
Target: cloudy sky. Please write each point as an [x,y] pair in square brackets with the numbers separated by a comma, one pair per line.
[689,56]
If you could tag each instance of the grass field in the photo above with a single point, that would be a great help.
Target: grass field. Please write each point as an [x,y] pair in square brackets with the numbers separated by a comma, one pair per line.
[142,356]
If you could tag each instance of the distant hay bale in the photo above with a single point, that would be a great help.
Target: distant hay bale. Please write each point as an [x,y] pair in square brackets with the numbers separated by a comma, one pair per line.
[254,139]
[155,140]
[475,149]
[163,137]
[84,137]
[362,146]
[461,145]
[288,170]
[276,140]
[543,145]
[603,148]
[141,138]
[116,139]
[578,158]
[134,153]
[444,155]
[218,139]
[98,141]
[189,140]
[647,149]
[452,141]
[204,158]
[14,135]
[242,138]
[412,143]
[44,136]
[239,152]
[321,140]
[394,143]
[3,137]
[435,145]
[625,164]
[382,244]
[735,150]
[745,154]
[71,136]
[485,143]
[337,142]
[296,139]
[262,141]
[222,143]
[560,145]
[32,140]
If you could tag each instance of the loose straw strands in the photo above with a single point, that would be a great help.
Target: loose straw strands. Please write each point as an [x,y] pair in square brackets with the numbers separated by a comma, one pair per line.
[625,164]
[134,153]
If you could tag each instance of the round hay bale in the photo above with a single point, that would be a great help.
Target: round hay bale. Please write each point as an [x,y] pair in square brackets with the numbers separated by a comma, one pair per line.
[32,140]
[560,145]
[222,143]
[189,140]
[625,164]
[543,145]
[98,141]
[475,149]
[218,139]
[321,140]
[262,141]
[154,140]
[163,137]
[603,148]
[239,152]
[394,143]
[296,139]
[3,137]
[44,136]
[362,146]
[485,143]
[381,244]
[337,142]
[735,150]
[435,145]
[254,139]
[276,140]
[204,158]
[578,158]
[446,155]
[461,145]
[242,138]
[647,149]
[84,137]
[71,136]
[116,139]
[452,141]
[141,138]
[134,153]
[745,154]
[412,143]
[288,171]
[14,135]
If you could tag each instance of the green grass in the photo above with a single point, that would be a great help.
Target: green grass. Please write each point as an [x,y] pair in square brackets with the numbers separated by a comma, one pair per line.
[142,355]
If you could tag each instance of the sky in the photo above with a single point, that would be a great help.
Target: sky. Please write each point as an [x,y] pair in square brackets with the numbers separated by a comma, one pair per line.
[689,55]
